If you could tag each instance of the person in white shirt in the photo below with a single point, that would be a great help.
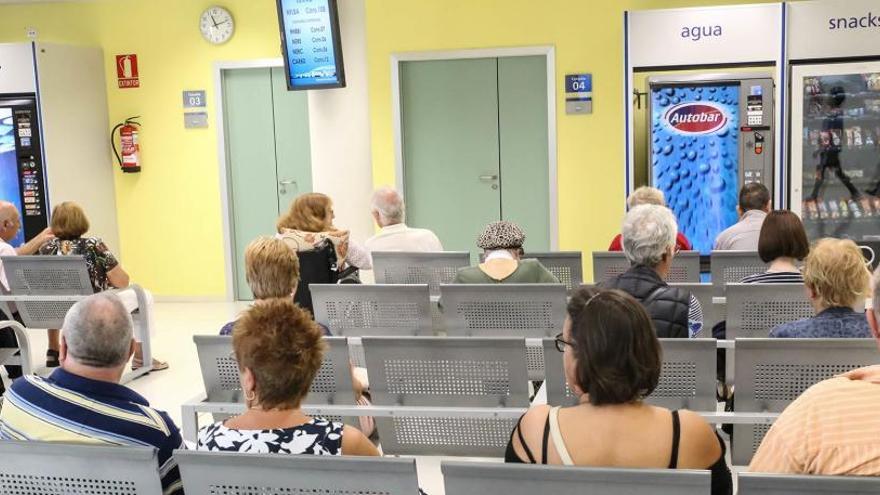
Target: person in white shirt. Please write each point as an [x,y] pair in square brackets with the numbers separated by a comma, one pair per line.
[754,204]
[394,235]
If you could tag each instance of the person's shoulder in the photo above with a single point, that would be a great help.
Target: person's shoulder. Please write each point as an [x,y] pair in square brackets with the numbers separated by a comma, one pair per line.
[792,329]
[703,446]
[227,328]
[468,274]
[6,249]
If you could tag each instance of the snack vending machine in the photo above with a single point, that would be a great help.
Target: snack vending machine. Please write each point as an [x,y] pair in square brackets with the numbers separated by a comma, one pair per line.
[709,135]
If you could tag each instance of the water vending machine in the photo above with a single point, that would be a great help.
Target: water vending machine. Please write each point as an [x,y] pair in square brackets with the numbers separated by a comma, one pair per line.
[709,135]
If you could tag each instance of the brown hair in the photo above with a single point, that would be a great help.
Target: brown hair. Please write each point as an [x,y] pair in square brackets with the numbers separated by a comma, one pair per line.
[753,196]
[308,213]
[271,268]
[69,221]
[281,345]
[616,349]
[782,234]
[837,273]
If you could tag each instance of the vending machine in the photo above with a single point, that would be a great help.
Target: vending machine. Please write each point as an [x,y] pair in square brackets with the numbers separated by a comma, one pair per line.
[708,135]
[835,149]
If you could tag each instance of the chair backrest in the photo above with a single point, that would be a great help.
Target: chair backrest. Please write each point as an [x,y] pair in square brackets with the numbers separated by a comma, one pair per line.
[419,268]
[787,484]
[213,473]
[315,267]
[712,313]
[771,373]
[729,267]
[46,276]
[332,384]
[609,264]
[526,479]
[567,266]
[457,372]
[503,310]
[753,310]
[43,468]
[357,310]
[687,379]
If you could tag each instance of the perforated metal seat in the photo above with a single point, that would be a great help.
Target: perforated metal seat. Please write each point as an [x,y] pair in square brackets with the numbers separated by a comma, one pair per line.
[783,484]
[771,373]
[446,372]
[419,268]
[226,473]
[729,267]
[609,264]
[43,468]
[753,310]
[358,310]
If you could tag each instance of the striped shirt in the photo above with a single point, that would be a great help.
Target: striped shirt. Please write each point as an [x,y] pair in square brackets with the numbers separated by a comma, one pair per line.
[831,429]
[71,408]
[774,278]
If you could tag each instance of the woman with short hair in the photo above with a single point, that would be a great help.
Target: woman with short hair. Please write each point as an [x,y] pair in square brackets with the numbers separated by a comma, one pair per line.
[782,243]
[612,361]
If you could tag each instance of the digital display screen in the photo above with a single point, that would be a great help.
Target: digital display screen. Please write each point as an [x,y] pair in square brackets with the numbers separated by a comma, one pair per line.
[695,157]
[311,42]
[10,185]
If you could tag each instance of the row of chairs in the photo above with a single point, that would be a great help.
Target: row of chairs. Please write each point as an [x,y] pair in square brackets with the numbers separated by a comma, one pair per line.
[462,396]
[50,469]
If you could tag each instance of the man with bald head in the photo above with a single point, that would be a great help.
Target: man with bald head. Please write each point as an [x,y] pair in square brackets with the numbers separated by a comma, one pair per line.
[389,212]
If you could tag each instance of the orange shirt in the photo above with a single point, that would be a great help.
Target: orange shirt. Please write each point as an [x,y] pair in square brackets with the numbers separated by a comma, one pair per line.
[832,429]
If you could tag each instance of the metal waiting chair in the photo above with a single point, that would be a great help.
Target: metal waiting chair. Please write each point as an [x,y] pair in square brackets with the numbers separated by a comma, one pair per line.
[212,473]
[473,372]
[787,484]
[53,468]
[526,479]
[729,267]
[419,268]
[712,313]
[687,379]
[609,264]
[220,373]
[771,373]
[43,288]
[753,310]
[354,310]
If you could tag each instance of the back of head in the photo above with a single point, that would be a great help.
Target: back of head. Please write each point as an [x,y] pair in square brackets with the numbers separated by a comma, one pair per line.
[618,356]
[69,221]
[782,235]
[388,204]
[309,212]
[283,347]
[648,232]
[98,331]
[271,268]
[753,196]
[836,272]
[646,195]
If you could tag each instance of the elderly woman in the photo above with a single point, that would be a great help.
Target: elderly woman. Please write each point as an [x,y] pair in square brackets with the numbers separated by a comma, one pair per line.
[649,244]
[502,244]
[69,224]
[279,351]
[837,281]
[646,195]
[612,361]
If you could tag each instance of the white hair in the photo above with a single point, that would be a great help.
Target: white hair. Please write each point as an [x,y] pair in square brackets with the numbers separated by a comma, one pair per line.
[98,331]
[648,232]
[646,195]
[389,205]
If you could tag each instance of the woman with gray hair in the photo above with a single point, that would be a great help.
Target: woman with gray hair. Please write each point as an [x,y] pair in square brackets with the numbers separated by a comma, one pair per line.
[649,233]
[647,195]
[502,244]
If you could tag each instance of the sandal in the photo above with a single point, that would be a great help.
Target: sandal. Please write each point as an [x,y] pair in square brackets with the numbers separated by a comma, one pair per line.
[52,359]
[157,365]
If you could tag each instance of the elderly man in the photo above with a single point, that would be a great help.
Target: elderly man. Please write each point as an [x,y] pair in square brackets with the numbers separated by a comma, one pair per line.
[394,235]
[83,402]
[754,204]
[831,429]
[649,243]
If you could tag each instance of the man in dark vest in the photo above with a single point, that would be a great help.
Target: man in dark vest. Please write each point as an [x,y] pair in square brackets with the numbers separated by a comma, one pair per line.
[649,243]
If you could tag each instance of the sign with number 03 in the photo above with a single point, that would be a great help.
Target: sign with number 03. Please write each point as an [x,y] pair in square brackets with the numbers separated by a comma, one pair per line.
[194,99]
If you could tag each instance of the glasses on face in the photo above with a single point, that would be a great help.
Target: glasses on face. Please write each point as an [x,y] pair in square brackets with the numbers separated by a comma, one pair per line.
[561,343]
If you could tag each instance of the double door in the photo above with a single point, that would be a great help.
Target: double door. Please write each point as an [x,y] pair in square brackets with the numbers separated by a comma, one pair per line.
[475,147]
[268,155]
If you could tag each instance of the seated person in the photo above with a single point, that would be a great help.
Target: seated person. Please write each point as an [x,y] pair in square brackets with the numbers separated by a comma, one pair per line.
[82,402]
[646,195]
[781,243]
[279,351]
[837,281]
[612,361]
[502,244]
[754,203]
[69,224]
[649,245]
[394,235]
[831,429]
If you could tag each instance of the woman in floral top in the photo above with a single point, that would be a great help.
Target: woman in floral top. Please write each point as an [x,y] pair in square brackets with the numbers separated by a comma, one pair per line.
[69,224]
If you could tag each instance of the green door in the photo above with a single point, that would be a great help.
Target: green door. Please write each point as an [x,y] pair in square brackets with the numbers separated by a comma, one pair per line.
[267,152]
[475,147]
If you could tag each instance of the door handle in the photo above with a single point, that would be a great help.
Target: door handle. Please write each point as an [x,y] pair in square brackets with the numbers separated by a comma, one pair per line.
[488,177]
[286,182]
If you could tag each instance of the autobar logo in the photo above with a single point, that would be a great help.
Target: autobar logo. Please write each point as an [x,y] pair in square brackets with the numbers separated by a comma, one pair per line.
[695,118]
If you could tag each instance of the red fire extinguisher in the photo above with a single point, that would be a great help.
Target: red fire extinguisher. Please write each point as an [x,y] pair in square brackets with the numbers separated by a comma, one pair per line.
[128,140]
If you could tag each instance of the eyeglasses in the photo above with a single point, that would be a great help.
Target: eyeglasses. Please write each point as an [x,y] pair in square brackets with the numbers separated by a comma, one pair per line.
[561,343]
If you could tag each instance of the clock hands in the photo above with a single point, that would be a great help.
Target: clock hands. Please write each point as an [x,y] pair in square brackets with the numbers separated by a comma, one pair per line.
[213,20]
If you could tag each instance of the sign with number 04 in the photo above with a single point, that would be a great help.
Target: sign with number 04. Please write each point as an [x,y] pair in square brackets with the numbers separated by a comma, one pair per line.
[194,99]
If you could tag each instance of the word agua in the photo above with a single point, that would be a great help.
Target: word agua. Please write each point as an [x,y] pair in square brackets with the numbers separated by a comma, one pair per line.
[696,33]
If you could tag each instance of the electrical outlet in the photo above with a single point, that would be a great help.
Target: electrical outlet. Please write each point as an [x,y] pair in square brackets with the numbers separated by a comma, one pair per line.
[31,32]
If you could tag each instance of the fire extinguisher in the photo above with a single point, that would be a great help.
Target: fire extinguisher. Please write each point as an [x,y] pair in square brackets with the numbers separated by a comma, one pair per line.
[128,140]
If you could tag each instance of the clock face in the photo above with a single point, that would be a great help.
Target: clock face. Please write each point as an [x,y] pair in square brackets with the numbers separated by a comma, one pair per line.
[216,25]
